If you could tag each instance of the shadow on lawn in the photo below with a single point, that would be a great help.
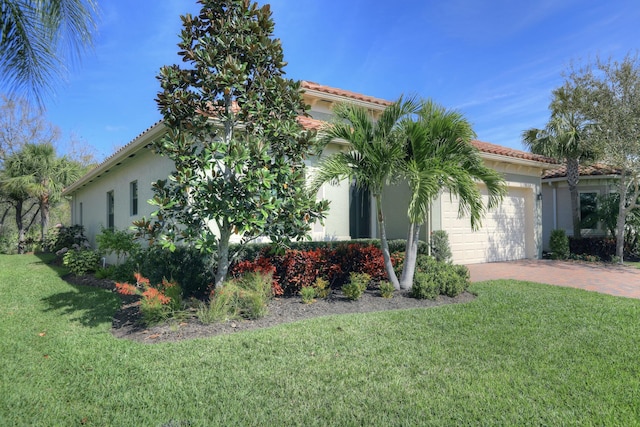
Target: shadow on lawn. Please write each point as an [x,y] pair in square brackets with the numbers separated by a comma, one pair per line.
[86,305]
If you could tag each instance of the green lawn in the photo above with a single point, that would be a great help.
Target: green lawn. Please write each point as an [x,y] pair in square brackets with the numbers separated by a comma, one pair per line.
[520,354]
[632,264]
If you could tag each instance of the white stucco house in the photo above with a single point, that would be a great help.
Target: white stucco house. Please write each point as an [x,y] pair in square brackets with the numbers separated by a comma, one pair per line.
[595,180]
[115,193]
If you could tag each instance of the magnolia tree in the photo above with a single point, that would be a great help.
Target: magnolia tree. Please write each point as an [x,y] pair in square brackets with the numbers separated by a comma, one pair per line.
[612,103]
[233,134]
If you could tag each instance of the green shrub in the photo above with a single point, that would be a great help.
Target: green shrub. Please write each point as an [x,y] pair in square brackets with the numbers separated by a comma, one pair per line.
[70,237]
[357,285]
[424,286]
[439,244]
[308,294]
[386,289]
[81,262]
[118,242]
[440,277]
[186,265]
[322,287]
[559,244]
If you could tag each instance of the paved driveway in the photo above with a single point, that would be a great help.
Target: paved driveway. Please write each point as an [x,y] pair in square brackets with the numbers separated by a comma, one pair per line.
[607,279]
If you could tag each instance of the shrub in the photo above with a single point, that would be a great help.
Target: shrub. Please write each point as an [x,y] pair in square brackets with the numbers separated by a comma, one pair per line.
[357,285]
[158,302]
[186,265]
[386,289]
[81,262]
[600,247]
[440,277]
[559,244]
[322,287]
[118,242]
[439,244]
[424,286]
[308,294]
[60,236]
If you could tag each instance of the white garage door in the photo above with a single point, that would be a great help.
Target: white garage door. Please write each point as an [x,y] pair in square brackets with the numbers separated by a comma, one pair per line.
[502,237]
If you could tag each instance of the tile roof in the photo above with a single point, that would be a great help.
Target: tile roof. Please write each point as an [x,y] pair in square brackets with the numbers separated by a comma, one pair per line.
[597,169]
[345,93]
[486,147]
[310,123]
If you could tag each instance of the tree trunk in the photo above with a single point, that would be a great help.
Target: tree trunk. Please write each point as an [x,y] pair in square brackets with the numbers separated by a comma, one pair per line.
[620,223]
[410,256]
[222,256]
[44,217]
[573,177]
[20,226]
[384,245]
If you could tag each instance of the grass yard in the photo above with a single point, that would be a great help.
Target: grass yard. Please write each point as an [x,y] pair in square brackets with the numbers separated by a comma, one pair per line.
[632,264]
[520,354]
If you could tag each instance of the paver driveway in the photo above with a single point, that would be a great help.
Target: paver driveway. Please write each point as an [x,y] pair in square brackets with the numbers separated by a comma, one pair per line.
[604,278]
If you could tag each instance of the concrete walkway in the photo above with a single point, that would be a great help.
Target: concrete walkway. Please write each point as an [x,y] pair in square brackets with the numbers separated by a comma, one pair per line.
[608,279]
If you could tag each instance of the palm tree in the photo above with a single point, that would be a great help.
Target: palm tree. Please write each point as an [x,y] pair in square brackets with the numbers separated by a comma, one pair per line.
[16,187]
[35,172]
[376,151]
[48,174]
[565,138]
[36,37]
[439,156]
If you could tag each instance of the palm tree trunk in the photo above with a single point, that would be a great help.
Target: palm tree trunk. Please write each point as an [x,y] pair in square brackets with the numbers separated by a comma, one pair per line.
[410,257]
[384,245]
[20,226]
[573,177]
[44,217]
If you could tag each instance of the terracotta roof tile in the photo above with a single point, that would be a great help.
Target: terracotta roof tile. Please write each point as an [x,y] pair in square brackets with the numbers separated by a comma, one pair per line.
[310,123]
[346,93]
[597,169]
[486,147]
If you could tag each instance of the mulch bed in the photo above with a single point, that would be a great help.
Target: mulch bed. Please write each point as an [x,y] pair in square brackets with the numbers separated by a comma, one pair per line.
[127,320]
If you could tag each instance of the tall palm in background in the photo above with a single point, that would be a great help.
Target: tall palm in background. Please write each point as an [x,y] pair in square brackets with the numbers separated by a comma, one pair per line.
[36,173]
[37,40]
[48,175]
[373,159]
[439,156]
[565,138]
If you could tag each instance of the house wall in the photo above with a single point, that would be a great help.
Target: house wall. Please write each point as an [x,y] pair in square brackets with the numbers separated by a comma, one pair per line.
[556,205]
[145,167]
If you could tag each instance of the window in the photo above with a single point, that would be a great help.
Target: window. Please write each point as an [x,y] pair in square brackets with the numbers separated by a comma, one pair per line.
[110,210]
[133,192]
[80,220]
[588,210]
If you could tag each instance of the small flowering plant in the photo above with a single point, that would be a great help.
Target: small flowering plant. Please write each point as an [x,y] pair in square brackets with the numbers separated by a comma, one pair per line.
[158,302]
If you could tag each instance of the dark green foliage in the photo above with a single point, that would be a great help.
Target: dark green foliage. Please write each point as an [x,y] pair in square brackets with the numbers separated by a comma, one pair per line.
[118,242]
[81,262]
[424,286]
[439,244]
[186,265]
[232,68]
[386,289]
[70,237]
[440,277]
[559,244]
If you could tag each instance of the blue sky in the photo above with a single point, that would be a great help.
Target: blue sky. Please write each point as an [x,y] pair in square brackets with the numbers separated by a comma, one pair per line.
[496,61]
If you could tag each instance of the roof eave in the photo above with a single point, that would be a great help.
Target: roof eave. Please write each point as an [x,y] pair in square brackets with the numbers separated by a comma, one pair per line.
[133,147]
[517,160]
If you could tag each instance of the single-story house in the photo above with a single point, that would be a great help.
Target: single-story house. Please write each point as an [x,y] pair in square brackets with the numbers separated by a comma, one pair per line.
[115,193]
[595,180]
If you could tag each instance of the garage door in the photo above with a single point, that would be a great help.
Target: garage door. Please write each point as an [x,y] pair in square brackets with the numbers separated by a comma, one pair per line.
[502,237]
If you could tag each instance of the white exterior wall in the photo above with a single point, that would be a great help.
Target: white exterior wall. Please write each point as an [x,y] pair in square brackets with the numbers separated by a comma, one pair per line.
[145,168]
